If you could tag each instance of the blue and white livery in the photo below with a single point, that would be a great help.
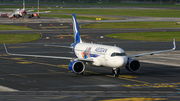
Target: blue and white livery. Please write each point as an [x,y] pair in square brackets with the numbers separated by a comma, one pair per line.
[97,55]
[77,38]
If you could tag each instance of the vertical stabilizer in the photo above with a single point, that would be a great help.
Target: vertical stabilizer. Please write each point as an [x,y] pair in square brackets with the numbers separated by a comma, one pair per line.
[38,7]
[77,37]
[23,4]
[174,44]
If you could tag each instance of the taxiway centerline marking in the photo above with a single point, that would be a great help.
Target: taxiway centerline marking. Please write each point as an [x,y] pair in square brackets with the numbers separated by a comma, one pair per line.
[55,27]
[66,67]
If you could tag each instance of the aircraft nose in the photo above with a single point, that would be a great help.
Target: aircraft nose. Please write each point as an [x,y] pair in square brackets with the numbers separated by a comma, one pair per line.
[23,12]
[120,61]
[123,61]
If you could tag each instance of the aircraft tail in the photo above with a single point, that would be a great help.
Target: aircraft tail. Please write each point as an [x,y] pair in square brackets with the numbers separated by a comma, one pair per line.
[23,4]
[38,7]
[77,37]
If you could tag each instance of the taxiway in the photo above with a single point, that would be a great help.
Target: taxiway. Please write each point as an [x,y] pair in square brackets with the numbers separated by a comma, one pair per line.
[39,78]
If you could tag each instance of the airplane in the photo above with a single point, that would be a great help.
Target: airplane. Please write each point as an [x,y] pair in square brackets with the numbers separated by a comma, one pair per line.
[22,12]
[97,55]
[17,13]
[36,14]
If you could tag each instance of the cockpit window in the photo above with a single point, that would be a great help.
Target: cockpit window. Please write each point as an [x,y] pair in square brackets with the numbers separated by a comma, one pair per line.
[118,54]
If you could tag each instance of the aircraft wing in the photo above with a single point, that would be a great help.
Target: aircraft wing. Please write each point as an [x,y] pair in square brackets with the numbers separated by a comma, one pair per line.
[44,12]
[155,52]
[5,12]
[58,46]
[55,57]
[30,12]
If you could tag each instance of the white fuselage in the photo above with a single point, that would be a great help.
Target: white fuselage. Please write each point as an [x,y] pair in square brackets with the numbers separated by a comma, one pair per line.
[20,13]
[102,55]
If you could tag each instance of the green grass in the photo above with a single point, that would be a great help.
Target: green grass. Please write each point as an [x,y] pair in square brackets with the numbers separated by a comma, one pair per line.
[14,27]
[122,12]
[148,36]
[81,17]
[18,38]
[98,4]
[145,24]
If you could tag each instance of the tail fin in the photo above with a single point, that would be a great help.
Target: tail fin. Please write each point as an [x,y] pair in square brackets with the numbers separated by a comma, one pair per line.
[174,44]
[23,4]
[38,8]
[77,37]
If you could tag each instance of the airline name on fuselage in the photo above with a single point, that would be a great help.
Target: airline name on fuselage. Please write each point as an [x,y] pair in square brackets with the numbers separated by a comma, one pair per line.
[101,50]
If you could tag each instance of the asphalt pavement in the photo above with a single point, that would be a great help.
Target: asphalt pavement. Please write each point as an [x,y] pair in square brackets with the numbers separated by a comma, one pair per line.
[23,78]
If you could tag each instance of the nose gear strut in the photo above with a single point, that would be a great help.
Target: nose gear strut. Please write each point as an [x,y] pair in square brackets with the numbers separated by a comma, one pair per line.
[116,72]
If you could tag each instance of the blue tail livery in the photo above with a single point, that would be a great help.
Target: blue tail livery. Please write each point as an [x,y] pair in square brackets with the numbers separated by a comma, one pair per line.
[77,38]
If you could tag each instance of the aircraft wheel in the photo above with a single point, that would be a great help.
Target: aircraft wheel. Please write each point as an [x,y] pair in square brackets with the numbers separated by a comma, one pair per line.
[116,75]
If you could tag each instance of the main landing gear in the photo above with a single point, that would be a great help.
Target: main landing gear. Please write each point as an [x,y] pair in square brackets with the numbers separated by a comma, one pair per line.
[116,72]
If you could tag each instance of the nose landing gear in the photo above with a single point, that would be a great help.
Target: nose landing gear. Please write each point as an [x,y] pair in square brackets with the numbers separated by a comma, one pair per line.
[116,72]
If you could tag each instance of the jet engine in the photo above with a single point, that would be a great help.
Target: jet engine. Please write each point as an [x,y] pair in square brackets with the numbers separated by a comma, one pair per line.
[77,67]
[16,15]
[133,65]
[31,15]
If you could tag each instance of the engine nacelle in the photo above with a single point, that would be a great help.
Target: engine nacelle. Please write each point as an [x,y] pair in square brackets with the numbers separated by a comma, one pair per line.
[77,67]
[17,16]
[133,65]
[32,15]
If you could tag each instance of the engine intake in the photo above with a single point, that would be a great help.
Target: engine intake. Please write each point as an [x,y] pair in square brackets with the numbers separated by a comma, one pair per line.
[77,67]
[17,16]
[132,65]
[32,15]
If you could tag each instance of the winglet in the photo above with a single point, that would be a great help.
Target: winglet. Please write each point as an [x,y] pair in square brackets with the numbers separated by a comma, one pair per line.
[5,48]
[174,44]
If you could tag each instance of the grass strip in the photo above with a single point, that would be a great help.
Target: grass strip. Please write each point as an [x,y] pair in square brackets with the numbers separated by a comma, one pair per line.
[148,36]
[81,17]
[18,38]
[122,12]
[143,24]
[14,27]
[97,4]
